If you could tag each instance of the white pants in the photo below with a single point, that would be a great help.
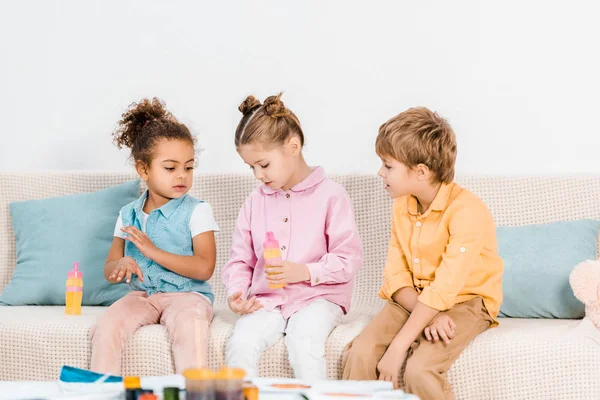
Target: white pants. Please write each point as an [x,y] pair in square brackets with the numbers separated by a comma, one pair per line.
[305,335]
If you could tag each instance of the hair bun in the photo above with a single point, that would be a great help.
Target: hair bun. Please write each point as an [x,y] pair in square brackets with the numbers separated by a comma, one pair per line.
[274,107]
[249,104]
[137,116]
[145,111]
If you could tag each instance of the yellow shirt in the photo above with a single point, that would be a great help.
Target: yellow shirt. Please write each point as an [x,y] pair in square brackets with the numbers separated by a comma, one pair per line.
[449,254]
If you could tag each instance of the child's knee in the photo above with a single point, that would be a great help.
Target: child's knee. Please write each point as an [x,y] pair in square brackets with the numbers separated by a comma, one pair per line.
[107,329]
[300,344]
[107,323]
[361,350]
[244,339]
[197,313]
[245,347]
[204,311]
[188,324]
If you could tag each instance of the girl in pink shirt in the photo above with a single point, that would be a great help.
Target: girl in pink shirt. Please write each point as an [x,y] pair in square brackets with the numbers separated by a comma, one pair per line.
[311,216]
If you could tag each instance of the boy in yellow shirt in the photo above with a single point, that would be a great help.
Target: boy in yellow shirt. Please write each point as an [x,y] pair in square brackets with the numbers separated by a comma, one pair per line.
[443,274]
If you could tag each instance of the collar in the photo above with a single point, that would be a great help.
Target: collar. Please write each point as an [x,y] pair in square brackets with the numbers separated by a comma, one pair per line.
[438,204]
[316,176]
[166,210]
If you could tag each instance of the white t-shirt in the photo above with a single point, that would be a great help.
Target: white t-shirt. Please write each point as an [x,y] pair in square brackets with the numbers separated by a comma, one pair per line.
[202,220]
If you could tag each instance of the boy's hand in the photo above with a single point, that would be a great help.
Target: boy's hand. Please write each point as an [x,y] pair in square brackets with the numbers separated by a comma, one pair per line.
[389,366]
[441,327]
[242,307]
[124,269]
[141,241]
[286,272]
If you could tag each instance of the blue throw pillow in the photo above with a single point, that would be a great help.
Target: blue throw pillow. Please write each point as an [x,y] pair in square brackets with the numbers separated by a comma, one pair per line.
[537,262]
[54,233]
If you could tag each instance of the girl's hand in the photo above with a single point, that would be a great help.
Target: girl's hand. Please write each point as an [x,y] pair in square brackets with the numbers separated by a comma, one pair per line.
[124,269]
[281,272]
[241,307]
[141,241]
[441,327]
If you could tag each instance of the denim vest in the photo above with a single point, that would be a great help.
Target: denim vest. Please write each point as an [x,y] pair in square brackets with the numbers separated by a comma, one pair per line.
[168,227]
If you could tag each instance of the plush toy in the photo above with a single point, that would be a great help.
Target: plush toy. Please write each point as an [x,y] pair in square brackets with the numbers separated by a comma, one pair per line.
[585,282]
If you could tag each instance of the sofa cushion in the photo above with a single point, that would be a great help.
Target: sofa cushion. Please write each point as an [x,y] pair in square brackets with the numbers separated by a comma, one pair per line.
[54,233]
[538,260]
[37,341]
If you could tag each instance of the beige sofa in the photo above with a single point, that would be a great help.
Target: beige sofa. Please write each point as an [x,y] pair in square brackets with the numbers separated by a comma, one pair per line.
[521,359]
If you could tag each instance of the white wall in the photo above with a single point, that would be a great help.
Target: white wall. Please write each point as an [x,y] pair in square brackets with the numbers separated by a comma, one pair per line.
[518,80]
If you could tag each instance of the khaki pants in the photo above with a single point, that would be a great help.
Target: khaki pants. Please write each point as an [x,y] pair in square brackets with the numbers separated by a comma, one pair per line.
[424,372]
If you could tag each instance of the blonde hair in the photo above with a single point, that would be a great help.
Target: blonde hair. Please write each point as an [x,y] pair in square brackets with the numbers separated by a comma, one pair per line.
[420,136]
[270,123]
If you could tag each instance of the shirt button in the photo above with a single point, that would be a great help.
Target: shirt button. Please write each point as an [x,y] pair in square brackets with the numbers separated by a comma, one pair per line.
[462,249]
[287,195]
[317,280]
[416,260]
[283,247]
[285,219]
[283,298]
[419,223]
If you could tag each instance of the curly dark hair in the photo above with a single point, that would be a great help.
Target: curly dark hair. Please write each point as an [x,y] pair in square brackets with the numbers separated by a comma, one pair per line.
[144,124]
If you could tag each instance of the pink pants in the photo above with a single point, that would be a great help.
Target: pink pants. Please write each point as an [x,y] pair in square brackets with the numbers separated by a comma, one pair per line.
[186,316]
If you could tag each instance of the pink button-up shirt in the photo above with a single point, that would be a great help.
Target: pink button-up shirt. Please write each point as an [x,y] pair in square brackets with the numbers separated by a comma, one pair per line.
[314,224]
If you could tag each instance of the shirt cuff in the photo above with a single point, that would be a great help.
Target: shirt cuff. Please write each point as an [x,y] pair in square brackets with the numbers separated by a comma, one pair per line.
[393,284]
[317,275]
[436,300]
[236,289]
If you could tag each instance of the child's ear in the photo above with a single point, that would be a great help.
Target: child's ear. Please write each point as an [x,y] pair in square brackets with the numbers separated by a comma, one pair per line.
[422,172]
[142,169]
[294,146]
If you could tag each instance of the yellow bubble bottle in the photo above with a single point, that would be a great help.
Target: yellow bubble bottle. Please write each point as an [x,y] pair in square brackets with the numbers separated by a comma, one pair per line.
[74,291]
[271,253]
